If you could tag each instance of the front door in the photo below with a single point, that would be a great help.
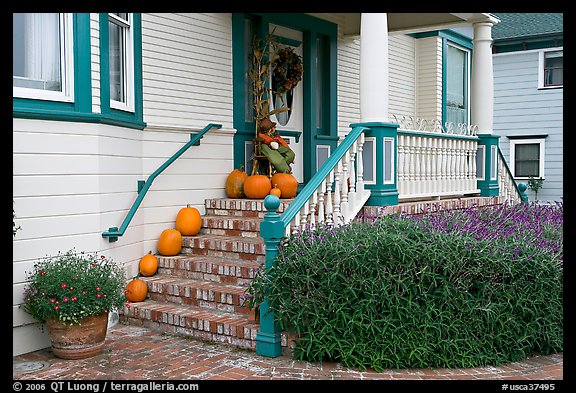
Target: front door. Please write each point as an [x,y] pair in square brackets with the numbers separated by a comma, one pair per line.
[290,124]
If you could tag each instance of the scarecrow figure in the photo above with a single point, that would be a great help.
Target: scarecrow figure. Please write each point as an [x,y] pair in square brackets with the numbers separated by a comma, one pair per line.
[275,147]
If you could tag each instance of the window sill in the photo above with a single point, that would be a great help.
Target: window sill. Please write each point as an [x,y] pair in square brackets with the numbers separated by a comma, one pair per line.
[550,87]
[78,117]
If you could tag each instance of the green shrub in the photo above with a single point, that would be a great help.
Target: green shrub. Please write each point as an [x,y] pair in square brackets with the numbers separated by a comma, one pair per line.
[401,292]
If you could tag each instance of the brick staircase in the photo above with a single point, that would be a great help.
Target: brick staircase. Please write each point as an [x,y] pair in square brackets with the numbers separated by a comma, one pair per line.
[199,293]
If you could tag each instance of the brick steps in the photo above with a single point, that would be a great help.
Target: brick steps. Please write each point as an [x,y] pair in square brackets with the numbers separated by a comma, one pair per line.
[200,292]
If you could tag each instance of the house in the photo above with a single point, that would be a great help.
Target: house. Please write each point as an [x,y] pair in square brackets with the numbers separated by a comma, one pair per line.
[393,108]
[528,97]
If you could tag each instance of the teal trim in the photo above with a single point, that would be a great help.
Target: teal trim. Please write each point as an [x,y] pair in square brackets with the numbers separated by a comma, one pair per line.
[322,173]
[309,121]
[444,78]
[288,41]
[295,134]
[488,186]
[503,47]
[382,194]
[42,109]
[57,115]
[451,35]
[327,138]
[268,339]
[115,115]
[114,232]
[438,135]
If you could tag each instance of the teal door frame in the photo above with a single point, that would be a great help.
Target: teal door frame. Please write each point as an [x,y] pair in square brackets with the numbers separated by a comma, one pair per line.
[319,129]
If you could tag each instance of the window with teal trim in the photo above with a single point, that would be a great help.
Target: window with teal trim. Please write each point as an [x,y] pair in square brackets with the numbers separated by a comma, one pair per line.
[457,77]
[51,65]
[322,85]
[121,100]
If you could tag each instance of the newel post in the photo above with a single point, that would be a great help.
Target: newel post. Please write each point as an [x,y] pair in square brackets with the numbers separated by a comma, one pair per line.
[522,187]
[268,340]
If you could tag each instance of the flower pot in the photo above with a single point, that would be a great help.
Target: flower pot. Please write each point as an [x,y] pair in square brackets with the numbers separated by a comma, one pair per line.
[78,341]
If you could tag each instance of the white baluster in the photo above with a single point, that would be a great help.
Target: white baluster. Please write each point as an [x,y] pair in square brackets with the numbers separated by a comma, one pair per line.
[320,208]
[352,171]
[444,167]
[466,163]
[411,166]
[329,206]
[417,166]
[401,159]
[462,174]
[428,164]
[473,183]
[360,168]
[337,215]
[296,223]
[434,164]
[304,216]
[344,206]
[313,202]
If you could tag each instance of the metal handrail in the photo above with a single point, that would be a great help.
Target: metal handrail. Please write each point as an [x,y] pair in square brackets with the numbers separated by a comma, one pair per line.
[114,232]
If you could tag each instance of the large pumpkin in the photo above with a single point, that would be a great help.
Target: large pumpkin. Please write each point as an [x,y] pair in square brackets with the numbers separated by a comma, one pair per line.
[257,186]
[235,183]
[170,242]
[287,184]
[148,265]
[136,290]
[188,221]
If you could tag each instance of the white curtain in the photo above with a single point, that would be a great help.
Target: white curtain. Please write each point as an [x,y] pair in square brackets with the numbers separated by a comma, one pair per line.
[42,49]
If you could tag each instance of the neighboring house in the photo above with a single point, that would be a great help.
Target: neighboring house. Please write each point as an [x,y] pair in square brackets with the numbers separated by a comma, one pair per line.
[101,101]
[528,97]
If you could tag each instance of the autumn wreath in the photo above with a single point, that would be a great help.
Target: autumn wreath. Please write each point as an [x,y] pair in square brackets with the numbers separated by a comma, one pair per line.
[288,70]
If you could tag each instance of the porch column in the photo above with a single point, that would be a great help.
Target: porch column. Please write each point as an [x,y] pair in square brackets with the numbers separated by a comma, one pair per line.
[374,107]
[482,107]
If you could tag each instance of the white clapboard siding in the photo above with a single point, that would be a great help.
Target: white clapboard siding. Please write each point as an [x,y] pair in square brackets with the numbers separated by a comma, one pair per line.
[189,55]
[429,78]
[521,109]
[402,85]
[95,60]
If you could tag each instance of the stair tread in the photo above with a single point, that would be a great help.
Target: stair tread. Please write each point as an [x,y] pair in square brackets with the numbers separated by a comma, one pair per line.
[189,310]
[214,260]
[195,283]
[208,236]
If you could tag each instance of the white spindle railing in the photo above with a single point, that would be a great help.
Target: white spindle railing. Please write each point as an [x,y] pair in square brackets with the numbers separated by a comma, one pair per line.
[434,160]
[506,183]
[339,195]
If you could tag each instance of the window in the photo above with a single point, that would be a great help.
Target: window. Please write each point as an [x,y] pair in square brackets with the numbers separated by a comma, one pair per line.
[553,68]
[456,84]
[121,61]
[527,158]
[42,56]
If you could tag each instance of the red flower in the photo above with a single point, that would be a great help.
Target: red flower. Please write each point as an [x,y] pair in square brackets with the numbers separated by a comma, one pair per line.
[97,288]
[65,300]
[42,273]
[52,300]
[98,295]
[63,285]
[74,298]
[83,292]
[56,307]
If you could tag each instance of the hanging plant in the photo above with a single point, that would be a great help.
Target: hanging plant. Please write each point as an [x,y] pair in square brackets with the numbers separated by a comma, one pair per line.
[288,70]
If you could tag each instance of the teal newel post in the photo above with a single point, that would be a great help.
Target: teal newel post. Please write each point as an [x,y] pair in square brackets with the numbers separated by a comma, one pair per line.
[488,176]
[522,187]
[272,230]
[385,191]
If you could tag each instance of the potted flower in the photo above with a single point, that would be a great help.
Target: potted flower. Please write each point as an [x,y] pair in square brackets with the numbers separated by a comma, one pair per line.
[72,293]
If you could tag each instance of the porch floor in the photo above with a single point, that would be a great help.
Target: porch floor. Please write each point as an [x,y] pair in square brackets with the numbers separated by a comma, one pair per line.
[137,353]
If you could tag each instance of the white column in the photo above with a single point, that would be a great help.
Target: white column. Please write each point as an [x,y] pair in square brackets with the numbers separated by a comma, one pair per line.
[374,67]
[482,84]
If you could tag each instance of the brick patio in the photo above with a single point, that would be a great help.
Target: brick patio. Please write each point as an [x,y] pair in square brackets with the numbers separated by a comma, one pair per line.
[136,353]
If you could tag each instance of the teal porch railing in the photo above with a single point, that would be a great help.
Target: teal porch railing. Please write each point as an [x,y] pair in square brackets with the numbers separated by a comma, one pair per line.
[114,233]
[513,192]
[334,195]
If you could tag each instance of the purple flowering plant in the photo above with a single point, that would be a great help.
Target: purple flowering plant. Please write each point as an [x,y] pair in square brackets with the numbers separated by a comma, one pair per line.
[71,286]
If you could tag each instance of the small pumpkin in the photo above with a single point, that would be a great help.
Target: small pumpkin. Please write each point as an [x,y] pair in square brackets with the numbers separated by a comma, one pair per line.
[276,191]
[188,221]
[287,184]
[170,242]
[148,265]
[257,186]
[136,290]
[235,183]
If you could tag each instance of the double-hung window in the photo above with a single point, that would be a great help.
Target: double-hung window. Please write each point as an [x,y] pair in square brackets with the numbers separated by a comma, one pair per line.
[527,158]
[42,56]
[120,51]
[457,82]
[551,68]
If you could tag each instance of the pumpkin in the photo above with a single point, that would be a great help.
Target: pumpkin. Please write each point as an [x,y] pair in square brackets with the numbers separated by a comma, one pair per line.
[235,183]
[276,191]
[287,184]
[136,290]
[170,242]
[257,186]
[188,221]
[148,265]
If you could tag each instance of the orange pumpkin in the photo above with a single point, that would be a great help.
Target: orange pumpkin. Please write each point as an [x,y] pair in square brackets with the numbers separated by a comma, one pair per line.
[170,242]
[136,290]
[276,191]
[235,183]
[287,184]
[148,265]
[188,221]
[257,186]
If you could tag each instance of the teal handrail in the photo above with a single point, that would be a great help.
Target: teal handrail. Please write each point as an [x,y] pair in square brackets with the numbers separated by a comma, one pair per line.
[114,232]
[322,173]
[522,193]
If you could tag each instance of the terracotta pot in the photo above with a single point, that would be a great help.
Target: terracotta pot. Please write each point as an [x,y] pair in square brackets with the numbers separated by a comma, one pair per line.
[78,341]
